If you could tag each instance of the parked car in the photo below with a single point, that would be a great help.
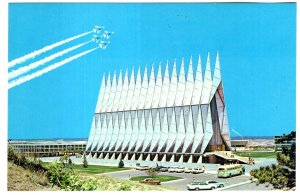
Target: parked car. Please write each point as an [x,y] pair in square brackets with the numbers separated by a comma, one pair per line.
[187,170]
[198,170]
[200,186]
[150,181]
[179,170]
[172,169]
[163,169]
[218,184]
[142,168]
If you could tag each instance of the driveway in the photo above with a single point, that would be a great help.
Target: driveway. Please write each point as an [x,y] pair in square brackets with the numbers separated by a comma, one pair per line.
[187,178]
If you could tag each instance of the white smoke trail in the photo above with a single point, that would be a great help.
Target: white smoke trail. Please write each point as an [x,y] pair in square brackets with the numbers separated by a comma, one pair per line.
[23,70]
[29,77]
[238,133]
[43,50]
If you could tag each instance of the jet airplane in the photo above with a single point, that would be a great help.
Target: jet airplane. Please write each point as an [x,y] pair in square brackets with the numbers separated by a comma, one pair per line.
[97,29]
[96,38]
[107,34]
[103,44]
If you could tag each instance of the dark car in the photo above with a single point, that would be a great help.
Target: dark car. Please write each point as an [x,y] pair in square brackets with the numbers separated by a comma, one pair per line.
[150,181]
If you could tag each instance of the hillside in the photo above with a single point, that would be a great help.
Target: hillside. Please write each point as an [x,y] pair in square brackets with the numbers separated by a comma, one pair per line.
[20,179]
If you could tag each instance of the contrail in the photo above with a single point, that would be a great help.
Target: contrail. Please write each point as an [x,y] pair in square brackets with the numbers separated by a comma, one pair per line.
[43,50]
[237,133]
[29,77]
[23,70]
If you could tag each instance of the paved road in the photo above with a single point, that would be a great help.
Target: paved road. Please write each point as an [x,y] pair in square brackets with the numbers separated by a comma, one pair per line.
[187,178]
[250,187]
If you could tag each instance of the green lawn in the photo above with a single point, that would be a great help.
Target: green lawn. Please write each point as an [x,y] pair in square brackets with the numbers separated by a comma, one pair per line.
[255,154]
[161,178]
[96,169]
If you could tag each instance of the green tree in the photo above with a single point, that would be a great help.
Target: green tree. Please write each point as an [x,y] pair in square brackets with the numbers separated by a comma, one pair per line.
[64,159]
[281,176]
[85,163]
[151,172]
[70,161]
[121,164]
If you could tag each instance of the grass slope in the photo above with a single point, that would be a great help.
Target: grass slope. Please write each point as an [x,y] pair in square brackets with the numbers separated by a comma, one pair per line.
[256,154]
[161,178]
[105,183]
[20,179]
[96,169]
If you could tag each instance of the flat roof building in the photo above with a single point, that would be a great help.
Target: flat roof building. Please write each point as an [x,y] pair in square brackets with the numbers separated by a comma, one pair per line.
[169,118]
[47,147]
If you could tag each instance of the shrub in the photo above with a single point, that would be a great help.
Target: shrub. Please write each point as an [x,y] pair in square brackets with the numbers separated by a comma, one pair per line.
[121,164]
[151,172]
[124,187]
[85,163]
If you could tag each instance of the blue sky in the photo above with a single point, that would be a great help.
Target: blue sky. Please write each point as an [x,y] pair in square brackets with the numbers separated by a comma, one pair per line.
[256,45]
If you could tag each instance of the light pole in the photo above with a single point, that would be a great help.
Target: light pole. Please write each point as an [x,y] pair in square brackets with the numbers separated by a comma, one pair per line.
[242,140]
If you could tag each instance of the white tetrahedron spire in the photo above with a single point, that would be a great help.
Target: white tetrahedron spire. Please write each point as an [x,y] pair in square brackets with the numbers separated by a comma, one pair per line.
[144,89]
[135,133]
[217,77]
[130,92]
[198,84]
[156,133]
[189,86]
[128,134]
[106,95]
[208,133]
[207,83]
[189,135]
[164,131]
[172,132]
[198,133]
[112,93]
[124,92]
[180,86]
[150,91]
[180,134]
[137,90]
[165,88]
[173,87]
[101,95]
[92,134]
[142,134]
[118,93]
[157,89]
[122,132]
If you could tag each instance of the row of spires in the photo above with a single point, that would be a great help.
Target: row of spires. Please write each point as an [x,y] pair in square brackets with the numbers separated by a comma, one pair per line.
[208,67]
[170,91]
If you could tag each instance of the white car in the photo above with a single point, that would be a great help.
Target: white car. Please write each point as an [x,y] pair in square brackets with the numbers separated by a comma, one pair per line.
[198,170]
[187,170]
[172,169]
[218,184]
[179,170]
[201,186]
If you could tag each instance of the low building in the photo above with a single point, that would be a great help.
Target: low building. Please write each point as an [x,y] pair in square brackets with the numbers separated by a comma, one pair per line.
[239,144]
[47,147]
[284,141]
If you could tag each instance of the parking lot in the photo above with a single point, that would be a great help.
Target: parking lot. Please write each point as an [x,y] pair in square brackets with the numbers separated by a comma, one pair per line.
[187,178]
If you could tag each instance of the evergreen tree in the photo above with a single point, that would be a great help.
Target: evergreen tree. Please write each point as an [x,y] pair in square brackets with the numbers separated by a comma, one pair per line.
[281,176]
[85,163]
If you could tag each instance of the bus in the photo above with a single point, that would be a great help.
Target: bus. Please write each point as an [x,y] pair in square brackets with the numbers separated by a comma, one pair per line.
[231,170]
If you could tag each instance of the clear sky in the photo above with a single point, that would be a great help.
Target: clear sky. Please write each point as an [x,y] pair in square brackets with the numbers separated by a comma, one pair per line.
[256,45]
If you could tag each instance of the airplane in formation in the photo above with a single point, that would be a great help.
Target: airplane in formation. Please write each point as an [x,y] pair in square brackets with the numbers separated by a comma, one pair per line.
[97,29]
[103,44]
[107,34]
[96,38]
